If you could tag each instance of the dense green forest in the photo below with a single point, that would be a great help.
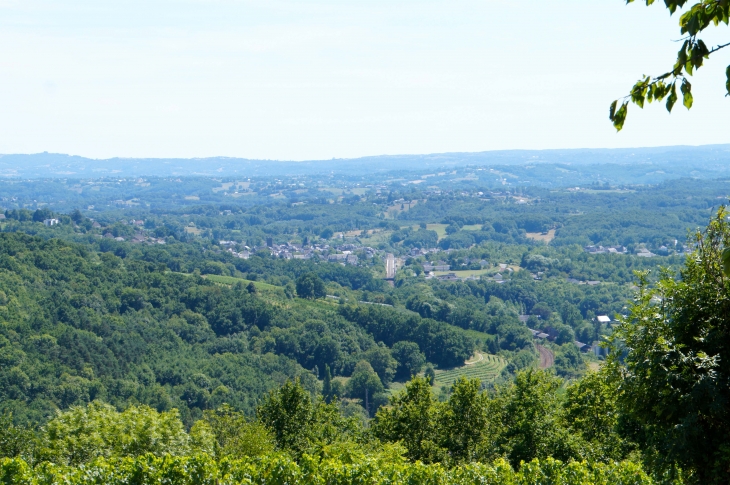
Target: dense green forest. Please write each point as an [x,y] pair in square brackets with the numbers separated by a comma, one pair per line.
[244,339]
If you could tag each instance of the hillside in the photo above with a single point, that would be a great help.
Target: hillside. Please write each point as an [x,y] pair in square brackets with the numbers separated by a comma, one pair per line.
[79,325]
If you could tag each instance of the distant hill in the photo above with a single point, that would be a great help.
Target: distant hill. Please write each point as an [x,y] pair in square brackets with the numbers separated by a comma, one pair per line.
[710,161]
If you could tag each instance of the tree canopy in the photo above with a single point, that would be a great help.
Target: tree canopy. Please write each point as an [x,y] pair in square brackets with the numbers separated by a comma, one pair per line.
[672,363]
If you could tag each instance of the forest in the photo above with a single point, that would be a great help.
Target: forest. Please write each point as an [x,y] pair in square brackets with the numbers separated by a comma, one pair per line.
[242,343]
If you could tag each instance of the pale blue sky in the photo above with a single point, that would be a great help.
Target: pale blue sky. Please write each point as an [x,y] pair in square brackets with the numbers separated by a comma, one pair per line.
[321,79]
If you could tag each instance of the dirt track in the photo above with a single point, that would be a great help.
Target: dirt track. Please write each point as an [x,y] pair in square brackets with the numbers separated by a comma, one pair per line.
[547,359]
[481,358]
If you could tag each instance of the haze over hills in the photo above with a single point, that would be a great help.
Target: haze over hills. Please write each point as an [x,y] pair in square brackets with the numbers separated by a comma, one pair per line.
[662,163]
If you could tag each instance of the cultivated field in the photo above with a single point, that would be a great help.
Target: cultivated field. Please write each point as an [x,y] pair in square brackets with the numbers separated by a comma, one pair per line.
[485,367]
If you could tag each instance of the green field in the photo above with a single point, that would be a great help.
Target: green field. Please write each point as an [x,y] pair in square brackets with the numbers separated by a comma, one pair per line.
[230,280]
[485,370]
[472,227]
[439,228]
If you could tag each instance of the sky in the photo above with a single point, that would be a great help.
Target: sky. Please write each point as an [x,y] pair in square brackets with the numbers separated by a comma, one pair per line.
[306,79]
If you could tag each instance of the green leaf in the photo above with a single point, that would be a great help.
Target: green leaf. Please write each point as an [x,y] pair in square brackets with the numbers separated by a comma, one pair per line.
[727,83]
[612,109]
[620,116]
[672,97]
[686,94]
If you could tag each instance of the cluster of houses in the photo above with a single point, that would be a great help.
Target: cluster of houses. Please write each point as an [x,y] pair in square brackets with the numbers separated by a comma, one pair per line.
[138,238]
[641,251]
[605,250]
[551,334]
[343,254]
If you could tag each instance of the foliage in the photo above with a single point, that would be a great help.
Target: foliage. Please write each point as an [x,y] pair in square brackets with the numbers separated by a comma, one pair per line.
[233,434]
[300,424]
[409,357]
[690,57]
[364,384]
[672,363]
[591,411]
[280,470]
[412,419]
[83,434]
[527,417]
[311,286]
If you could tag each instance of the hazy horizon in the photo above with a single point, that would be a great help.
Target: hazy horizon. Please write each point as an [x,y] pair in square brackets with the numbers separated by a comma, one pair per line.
[386,155]
[322,79]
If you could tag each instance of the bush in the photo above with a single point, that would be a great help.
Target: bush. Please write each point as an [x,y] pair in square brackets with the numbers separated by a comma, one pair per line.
[353,467]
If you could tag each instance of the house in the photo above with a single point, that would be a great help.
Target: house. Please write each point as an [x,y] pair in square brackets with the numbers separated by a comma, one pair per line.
[581,346]
[448,277]
[438,266]
[50,222]
[523,318]
[603,319]
[644,253]
[2,216]
[337,257]
[351,259]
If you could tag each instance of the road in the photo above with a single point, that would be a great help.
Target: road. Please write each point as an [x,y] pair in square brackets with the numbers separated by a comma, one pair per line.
[547,359]
[389,266]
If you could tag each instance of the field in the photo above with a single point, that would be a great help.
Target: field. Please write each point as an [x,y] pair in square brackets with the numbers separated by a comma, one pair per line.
[275,294]
[485,367]
[439,228]
[338,191]
[541,236]
[393,210]
[230,280]
[375,237]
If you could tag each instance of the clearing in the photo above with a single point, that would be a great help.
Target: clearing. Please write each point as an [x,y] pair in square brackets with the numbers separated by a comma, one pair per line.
[392,211]
[439,228]
[472,227]
[542,236]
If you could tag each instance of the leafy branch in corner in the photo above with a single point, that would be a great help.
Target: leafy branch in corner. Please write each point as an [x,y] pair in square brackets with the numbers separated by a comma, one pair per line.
[690,57]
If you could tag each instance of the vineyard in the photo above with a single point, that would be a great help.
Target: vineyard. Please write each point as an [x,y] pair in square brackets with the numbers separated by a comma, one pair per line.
[484,367]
